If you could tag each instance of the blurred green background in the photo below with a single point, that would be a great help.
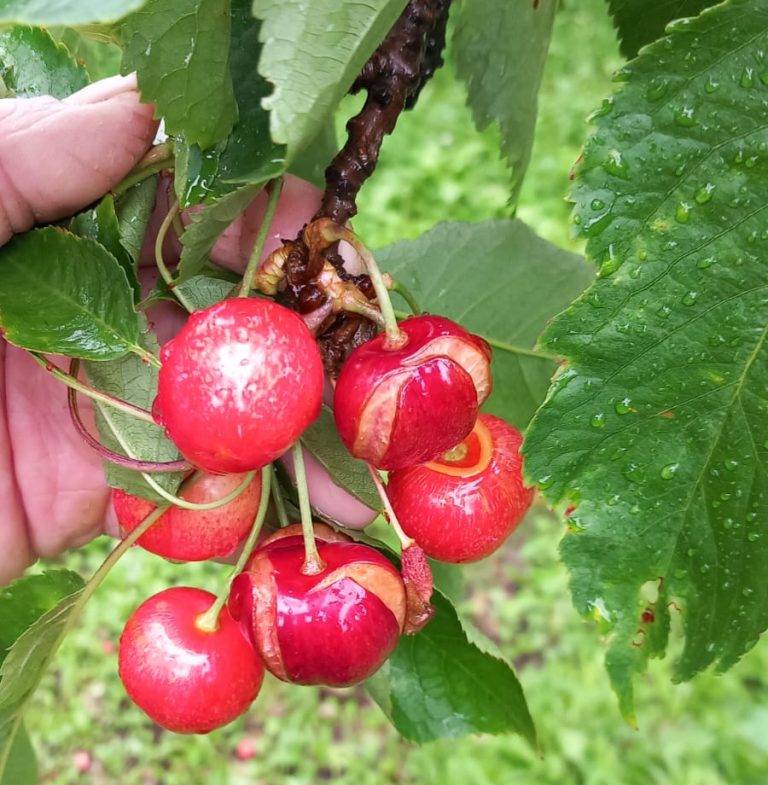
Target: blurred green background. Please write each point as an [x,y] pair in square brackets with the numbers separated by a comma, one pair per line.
[713,731]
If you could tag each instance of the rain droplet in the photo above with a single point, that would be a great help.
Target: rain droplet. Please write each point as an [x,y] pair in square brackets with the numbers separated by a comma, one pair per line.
[609,267]
[642,254]
[711,85]
[747,77]
[597,204]
[669,471]
[685,116]
[683,212]
[623,406]
[704,194]
[545,481]
[616,165]
[753,536]
[689,298]
[657,88]
[751,161]
[598,420]
[707,261]
[731,464]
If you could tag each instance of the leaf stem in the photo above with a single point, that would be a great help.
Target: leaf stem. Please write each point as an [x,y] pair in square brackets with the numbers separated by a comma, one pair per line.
[313,564]
[85,594]
[91,392]
[405,540]
[165,273]
[145,355]
[277,495]
[158,158]
[177,501]
[209,621]
[274,187]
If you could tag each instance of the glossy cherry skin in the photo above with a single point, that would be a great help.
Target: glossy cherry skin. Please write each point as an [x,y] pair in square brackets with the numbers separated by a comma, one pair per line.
[194,535]
[396,407]
[187,680]
[461,507]
[336,628]
[239,384]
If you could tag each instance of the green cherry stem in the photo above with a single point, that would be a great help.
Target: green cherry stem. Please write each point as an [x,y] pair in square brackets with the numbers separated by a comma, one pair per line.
[209,621]
[277,495]
[158,158]
[146,356]
[177,501]
[91,392]
[74,614]
[160,262]
[406,294]
[405,540]
[274,188]
[313,564]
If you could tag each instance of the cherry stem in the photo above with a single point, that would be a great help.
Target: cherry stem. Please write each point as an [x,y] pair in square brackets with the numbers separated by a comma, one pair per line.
[395,336]
[158,158]
[146,356]
[209,621]
[177,501]
[405,540]
[160,262]
[71,619]
[274,188]
[313,564]
[91,392]
[277,495]
[109,455]
[407,295]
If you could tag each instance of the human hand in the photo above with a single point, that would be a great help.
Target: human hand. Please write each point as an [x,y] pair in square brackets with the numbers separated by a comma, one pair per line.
[55,493]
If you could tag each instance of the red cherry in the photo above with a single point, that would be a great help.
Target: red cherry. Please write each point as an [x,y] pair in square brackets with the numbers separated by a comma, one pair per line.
[194,535]
[462,506]
[239,384]
[396,407]
[187,679]
[335,628]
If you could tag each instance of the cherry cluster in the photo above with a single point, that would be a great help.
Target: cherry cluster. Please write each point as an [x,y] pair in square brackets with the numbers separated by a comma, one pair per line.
[237,387]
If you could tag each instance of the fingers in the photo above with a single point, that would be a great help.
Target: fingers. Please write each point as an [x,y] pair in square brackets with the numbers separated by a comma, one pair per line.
[56,157]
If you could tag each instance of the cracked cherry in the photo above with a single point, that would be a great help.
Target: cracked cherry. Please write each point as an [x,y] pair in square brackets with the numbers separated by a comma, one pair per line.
[239,384]
[335,628]
[194,535]
[462,506]
[396,406]
[187,679]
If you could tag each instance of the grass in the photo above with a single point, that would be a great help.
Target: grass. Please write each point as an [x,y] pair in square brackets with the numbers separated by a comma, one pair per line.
[713,731]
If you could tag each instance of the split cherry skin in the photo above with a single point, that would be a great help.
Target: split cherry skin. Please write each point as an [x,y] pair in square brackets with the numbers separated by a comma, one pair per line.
[335,628]
[194,535]
[400,405]
[462,506]
[186,679]
[239,384]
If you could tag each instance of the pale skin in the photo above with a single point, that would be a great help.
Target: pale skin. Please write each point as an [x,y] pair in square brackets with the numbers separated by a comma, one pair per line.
[52,485]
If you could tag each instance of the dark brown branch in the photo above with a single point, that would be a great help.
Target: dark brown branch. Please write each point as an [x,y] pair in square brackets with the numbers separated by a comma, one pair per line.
[393,78]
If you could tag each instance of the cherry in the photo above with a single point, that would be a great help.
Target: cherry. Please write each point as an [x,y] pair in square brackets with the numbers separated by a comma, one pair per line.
[396,406]
[194,535]
[335,628]
[186,679]
[462,506]
[239,384]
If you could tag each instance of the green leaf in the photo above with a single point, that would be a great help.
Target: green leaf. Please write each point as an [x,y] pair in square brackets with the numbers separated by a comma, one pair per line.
[21,765]
[101,224]
[63,294]
[639,22]
[32,63]
[133,209]
[135,381]
[312,72]
[65,12]
[205,227]
[100,56]
[179,49]
[311,162]
[501,281]
[30,654]
[323,441]
[248,155]
[438,685]
[500,49]
[28,598]
[657,430]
